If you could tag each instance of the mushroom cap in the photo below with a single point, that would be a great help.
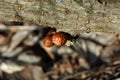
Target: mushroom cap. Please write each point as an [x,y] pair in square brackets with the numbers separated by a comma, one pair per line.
[48,41]
[59,39]
[51,31]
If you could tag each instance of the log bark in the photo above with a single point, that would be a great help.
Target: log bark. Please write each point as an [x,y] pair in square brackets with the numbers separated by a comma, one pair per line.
[73,16]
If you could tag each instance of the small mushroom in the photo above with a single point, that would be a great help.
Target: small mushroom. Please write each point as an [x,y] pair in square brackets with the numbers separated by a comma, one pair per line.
[59,38]
[51,31]
[48,41]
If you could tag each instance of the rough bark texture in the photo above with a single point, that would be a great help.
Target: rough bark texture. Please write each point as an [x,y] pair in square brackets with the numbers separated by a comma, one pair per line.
[73,16]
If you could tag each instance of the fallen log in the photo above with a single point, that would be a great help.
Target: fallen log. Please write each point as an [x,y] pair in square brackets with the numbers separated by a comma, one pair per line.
[73,16]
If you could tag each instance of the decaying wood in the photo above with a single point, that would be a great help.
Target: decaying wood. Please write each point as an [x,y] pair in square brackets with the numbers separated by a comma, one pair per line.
[73,16]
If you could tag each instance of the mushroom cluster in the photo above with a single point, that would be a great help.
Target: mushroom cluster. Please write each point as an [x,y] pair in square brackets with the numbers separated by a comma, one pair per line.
[53,37]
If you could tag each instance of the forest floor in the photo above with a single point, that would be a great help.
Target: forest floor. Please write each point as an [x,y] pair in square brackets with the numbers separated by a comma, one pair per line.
[86,56]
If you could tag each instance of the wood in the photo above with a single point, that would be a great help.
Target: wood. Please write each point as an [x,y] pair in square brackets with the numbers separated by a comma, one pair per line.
[73,16]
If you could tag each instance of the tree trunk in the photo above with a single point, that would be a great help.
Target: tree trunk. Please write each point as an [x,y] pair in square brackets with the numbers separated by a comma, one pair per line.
[73,16]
